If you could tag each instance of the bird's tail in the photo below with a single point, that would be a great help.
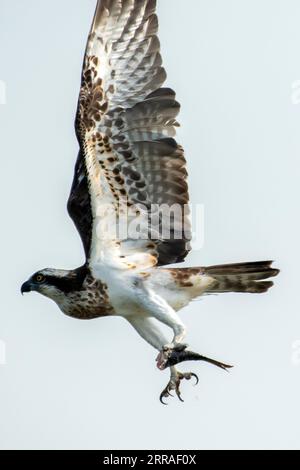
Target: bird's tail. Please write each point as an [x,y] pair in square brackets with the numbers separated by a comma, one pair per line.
[242,277]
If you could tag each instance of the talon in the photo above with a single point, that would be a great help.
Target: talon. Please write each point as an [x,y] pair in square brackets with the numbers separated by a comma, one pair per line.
[162,401]
[174,384]
[190,375]
[196,377]
[165,394]
[178,393]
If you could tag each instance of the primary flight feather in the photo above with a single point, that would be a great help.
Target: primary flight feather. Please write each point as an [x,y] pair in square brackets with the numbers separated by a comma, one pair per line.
[130,170]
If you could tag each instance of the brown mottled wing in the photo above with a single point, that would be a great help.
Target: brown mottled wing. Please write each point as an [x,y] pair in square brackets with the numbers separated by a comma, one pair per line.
[126,124]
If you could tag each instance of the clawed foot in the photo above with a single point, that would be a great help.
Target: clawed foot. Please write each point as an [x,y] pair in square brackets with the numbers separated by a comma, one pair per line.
[174,384]
[171,355]
[168,354]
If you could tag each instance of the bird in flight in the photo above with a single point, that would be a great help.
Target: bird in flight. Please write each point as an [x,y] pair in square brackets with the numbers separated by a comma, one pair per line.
[129,199]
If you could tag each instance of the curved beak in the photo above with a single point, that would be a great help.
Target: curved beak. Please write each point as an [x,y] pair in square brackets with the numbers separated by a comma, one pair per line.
[26,287]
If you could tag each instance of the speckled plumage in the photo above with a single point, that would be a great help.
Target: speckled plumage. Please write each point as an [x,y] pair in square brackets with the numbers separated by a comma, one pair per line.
[88,303]
[129,165]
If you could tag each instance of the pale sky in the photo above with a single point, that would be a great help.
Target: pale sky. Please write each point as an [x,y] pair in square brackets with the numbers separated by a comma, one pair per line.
[67,384]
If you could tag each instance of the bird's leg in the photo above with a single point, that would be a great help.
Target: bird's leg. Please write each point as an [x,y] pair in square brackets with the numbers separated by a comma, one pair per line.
[175,352]
[175,382]
[157,307]
[149,331]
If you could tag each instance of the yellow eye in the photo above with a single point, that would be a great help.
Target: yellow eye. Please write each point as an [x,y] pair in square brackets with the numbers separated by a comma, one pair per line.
[40,278]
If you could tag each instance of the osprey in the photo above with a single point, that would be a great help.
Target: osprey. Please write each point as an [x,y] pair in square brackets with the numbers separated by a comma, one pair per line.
[130,166]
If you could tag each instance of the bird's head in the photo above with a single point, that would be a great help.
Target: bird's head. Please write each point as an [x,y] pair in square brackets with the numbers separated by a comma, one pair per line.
[52,283]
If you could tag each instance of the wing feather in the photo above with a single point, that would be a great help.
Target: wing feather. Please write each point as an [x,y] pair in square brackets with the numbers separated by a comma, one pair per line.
[126,124]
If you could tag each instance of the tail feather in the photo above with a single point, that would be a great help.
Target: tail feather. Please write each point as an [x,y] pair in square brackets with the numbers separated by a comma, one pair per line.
[242,277]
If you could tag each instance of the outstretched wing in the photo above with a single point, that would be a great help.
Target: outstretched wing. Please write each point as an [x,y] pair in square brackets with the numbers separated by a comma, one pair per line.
[125,125]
